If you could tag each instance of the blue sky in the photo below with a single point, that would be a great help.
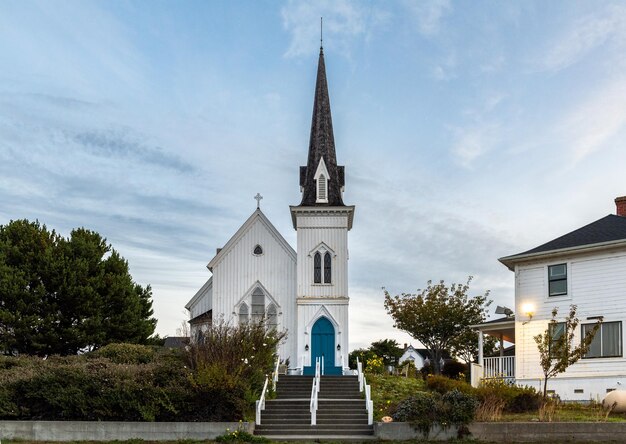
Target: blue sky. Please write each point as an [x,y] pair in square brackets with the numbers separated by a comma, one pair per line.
[469,131]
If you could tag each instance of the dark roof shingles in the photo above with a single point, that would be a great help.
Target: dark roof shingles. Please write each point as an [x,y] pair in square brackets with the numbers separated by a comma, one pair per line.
[609,228]
[321,144]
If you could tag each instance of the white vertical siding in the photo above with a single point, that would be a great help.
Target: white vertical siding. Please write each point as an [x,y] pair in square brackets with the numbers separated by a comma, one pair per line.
[275,269]
[333,231]
[331,300]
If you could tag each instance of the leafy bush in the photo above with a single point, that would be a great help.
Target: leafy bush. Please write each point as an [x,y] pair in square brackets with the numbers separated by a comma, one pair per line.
[419,409]
[454,370]
[515,399]
[375,365]
[457,408]
[217,380]
[126,353]
[229,366]
[442,385]
[426,408]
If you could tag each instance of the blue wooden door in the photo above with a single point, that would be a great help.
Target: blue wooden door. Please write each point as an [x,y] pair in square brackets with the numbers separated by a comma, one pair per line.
[323,343]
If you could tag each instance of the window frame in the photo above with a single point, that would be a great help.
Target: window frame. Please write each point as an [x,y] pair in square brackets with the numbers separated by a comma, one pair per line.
[317,268]
[254,250]
[559,279]
[599,334]
[243,306]
[553,339]
[328,268]
[255,315]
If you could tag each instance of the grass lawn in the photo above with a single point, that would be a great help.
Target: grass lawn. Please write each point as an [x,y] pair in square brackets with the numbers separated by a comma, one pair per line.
[387,391]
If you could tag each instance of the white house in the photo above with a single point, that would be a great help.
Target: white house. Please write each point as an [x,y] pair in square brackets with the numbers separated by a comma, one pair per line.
[419,356]
[258,275]
[586,268]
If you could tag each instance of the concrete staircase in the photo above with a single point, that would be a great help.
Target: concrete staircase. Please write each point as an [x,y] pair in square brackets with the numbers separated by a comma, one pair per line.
[341,412]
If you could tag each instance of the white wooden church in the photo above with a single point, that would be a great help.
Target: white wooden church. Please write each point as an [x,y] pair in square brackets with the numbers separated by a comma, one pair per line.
[258,275]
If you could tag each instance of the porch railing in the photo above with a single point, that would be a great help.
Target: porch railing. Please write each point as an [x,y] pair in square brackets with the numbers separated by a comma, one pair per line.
[499,367]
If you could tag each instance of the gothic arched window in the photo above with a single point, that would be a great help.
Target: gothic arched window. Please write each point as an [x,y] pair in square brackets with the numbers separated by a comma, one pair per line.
[243,314]
[258,305]
[272,317]
[327,268]
[317,268]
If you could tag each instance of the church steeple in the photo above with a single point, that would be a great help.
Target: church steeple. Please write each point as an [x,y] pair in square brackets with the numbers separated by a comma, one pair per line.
[321,180]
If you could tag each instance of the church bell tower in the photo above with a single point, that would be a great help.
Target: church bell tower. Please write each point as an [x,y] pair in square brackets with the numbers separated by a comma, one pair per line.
[322,222]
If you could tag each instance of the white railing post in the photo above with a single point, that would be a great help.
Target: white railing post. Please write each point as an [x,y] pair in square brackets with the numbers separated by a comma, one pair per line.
[260,404]
[275,375]
[315,388]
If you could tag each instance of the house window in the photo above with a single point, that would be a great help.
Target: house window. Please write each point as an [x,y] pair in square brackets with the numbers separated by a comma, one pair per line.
[258,305]
[317,268]
[243,314]
[557,330]
[557,277]
[272,317]
[258,250]
[322,189]
[607,343]
[327,269]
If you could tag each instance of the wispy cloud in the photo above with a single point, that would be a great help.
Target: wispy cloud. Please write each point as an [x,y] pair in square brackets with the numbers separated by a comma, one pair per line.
[121,144]
[474,141]
[428,14]
[344,21]
[595,122]
[586,34]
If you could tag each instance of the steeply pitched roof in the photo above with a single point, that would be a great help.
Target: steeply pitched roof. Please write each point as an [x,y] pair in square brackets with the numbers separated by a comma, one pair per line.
[609,228]
[257,215]
[321,144]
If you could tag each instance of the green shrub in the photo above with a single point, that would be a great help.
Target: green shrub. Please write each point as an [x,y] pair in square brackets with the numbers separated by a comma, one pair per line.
[419,409]
[375,365]
[516,399]
[457,408]
[126,353]
[427,408]
[454,370]
[442,385]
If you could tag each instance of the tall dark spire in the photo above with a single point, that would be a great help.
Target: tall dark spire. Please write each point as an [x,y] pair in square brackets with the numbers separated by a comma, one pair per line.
[321,145]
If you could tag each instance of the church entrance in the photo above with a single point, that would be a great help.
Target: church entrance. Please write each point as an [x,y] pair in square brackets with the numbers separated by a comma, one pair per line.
[323,344]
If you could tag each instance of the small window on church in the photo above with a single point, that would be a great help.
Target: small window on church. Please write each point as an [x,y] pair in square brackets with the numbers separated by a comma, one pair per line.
[243,314]
[258,305]
[327,265]
[258,250]
[317,268]
[322,189]
[272,317]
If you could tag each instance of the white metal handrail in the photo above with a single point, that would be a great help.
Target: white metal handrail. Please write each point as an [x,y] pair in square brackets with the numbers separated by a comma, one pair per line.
[369,404]
[315,388]
[322,365]
[260,404]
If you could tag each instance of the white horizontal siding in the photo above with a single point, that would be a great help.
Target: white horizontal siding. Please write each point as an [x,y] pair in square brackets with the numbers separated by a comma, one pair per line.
[596,285]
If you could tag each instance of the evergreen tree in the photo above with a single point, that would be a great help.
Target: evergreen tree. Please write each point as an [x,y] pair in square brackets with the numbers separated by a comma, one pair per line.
[60,295]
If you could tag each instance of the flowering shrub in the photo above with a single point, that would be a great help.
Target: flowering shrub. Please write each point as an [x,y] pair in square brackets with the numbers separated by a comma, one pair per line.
[375,365]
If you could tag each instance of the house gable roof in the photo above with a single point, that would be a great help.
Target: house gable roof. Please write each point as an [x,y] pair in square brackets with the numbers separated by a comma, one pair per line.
[257,216]
[208,284]
[609,229]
